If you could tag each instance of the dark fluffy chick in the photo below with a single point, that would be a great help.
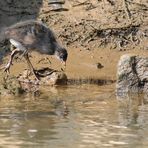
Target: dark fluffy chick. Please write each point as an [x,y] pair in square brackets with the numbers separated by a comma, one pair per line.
[29,36]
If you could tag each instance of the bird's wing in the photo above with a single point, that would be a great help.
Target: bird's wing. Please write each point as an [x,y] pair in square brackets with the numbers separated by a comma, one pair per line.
[23,36]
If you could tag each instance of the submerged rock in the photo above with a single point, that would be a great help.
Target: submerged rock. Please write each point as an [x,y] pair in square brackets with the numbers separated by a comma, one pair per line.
[132,74]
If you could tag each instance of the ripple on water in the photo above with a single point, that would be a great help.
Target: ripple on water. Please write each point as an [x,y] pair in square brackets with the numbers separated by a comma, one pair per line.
[94,118]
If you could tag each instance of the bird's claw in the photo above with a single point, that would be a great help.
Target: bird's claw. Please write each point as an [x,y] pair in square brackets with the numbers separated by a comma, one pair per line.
[36,74]
[6,68]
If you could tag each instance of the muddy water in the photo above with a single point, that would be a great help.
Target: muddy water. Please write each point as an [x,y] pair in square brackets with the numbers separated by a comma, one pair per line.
[82,116]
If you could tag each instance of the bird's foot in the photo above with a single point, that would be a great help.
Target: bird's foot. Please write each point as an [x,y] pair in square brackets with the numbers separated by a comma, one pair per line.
[7,68]
[36,74]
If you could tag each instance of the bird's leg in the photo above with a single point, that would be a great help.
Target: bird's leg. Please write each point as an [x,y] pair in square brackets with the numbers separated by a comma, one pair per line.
[24,53]
[7,66]
[31,66]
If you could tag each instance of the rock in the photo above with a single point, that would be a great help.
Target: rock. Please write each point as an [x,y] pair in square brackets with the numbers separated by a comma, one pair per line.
[99,65]
[11,86]
[132,74]
[26,82]
[56,78]
[47,77]
[56,2]
[57,5]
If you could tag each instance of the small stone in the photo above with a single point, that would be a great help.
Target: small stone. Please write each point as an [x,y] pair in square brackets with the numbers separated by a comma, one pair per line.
[99,65]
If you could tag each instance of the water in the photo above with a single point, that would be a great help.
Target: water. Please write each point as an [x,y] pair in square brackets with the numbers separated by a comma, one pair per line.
[84,116]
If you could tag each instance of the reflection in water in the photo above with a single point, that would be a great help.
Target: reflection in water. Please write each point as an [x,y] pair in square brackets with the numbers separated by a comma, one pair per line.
[74,116]
[131,109]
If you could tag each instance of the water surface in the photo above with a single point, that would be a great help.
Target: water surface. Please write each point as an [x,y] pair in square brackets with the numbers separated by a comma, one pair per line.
[79,116]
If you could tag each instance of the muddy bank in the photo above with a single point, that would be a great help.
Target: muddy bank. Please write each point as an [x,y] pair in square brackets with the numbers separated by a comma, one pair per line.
[81,64]
[95,34]
[118,25]
[86,24]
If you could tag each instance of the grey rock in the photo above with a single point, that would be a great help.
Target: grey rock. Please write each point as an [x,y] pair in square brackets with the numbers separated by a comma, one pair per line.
[57,5]
[56,1]
[132,74]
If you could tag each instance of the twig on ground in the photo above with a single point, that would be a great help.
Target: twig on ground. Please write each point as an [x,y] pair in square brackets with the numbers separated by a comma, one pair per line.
[81,3]
[126,9]
[141,5]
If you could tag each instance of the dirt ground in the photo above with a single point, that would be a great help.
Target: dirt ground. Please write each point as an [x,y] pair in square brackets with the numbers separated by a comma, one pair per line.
[81,64]
[95,33]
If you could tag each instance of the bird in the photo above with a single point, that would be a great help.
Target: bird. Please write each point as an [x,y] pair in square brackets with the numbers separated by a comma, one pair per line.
[32,35]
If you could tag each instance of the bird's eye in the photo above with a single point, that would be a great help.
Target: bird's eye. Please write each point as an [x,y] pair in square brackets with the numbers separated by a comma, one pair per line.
[63,57]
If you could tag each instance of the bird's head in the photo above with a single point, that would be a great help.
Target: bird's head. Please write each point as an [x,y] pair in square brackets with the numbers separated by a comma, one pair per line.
[62,55]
